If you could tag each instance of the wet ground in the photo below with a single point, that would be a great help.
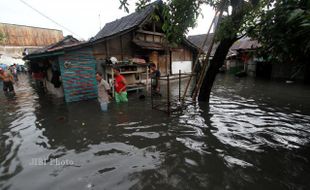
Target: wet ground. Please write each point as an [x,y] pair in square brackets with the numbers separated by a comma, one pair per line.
[254,135]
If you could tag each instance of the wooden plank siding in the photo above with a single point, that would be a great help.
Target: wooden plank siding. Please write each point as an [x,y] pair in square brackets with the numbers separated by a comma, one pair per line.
[128,49]
[100,51]
[79,80]
[119,47]
[124,47]
[181,54]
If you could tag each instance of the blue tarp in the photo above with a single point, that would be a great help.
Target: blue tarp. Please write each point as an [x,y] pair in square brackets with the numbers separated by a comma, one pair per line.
[3,66]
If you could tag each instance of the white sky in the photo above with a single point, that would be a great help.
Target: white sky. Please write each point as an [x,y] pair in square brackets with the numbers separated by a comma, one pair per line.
[80,16]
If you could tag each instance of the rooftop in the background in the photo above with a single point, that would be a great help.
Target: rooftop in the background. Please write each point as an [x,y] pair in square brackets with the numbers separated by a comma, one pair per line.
[199,39]
[245,43]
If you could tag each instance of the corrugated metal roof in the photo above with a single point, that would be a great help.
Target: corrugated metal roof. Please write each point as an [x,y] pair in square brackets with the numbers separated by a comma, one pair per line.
[125,23]
[245,43]
[68,41]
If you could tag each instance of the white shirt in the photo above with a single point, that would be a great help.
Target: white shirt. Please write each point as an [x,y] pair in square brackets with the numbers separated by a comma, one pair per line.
[103,95]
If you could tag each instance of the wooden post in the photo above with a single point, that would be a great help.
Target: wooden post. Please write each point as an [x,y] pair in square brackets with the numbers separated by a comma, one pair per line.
[147,79]
[152,95]
[113,82]
[168,95]
[179,85]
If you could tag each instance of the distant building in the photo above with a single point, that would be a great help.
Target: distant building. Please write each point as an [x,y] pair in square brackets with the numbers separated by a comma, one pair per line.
[18,37]
[240,56]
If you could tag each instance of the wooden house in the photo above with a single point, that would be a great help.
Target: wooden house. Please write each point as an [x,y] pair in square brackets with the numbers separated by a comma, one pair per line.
[139,35]
[240,56]
[134,37]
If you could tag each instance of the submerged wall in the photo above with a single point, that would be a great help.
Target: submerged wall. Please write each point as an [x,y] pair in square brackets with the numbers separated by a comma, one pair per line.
[78,73]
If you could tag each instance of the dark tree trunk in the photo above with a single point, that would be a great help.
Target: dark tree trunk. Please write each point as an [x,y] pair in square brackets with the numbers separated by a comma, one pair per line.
[307,73]
[216,63]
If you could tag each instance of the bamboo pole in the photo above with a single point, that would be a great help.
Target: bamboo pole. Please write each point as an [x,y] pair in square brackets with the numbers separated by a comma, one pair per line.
[179,85]
[168,95]
[205,66]
[199,53]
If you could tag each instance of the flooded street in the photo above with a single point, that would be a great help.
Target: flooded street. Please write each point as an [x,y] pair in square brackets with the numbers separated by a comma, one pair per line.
[254,135]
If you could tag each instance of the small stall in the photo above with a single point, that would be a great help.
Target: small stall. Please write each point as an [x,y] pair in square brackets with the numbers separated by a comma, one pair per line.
[136,75]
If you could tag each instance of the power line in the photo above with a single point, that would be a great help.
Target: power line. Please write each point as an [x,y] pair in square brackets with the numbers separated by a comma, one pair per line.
[49,18]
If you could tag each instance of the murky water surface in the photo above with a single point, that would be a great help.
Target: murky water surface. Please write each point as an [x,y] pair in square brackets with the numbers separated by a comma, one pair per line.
[254,135]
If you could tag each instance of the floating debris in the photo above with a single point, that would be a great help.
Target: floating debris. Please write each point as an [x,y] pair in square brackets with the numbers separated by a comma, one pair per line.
[90,185]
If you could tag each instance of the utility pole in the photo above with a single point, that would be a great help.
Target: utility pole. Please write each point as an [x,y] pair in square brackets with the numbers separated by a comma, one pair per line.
[99,22]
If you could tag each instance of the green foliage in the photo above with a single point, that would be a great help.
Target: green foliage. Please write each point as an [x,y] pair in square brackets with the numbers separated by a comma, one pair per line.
[177,24]
[283,30]
[124,5]
[142,3]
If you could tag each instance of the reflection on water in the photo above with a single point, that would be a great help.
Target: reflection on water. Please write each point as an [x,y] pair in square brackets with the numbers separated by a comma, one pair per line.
[254,135]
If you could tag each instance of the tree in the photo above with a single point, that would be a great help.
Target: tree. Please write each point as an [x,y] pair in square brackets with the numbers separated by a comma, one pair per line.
[246,16]
[179,15]
[283,30]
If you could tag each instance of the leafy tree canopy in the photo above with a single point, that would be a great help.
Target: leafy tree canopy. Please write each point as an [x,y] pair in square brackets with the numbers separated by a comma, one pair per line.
[283,28]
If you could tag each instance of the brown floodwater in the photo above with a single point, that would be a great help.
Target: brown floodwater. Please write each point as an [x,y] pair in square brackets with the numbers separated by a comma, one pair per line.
[255,134]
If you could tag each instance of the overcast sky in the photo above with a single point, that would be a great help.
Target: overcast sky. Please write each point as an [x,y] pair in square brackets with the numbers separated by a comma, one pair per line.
[79,16]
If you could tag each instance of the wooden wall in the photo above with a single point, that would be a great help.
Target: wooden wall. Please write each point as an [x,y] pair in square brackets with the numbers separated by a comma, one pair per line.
[181,54]
[79,80]
[18,35]
[119,47]
[123,48]
[163,63]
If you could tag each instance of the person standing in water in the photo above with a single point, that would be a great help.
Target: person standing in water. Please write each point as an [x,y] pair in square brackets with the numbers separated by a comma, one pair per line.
[103,92]
[120,86]
[14,72]
[8,81]
[155,76]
